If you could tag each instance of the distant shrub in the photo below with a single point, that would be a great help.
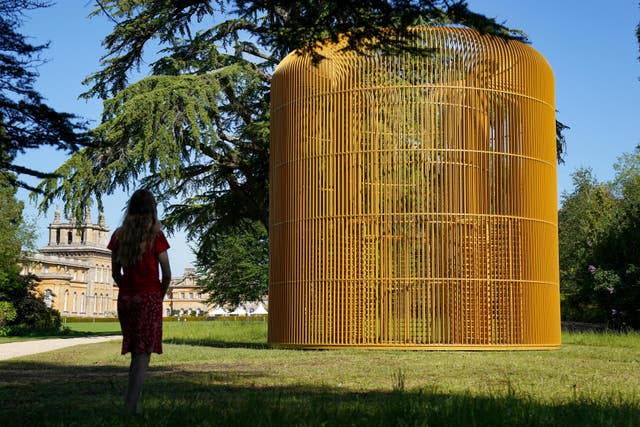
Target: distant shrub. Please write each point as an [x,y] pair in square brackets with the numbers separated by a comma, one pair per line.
[34,313]
[79,319]
[8,313]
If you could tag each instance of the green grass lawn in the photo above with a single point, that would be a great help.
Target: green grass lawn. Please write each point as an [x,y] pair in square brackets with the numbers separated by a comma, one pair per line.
[75,329]
[94,328]
[222,373]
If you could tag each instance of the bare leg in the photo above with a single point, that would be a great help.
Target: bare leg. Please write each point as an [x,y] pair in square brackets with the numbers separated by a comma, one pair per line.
[137,372]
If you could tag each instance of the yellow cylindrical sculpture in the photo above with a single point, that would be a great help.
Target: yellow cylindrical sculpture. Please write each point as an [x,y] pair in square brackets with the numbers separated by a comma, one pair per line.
[413,199]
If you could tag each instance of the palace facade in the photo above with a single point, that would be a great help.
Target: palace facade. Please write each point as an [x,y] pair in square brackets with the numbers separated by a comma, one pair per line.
[74,273]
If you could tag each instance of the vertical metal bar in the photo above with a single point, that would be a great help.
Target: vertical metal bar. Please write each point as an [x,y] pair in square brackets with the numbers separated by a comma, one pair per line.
[412,199]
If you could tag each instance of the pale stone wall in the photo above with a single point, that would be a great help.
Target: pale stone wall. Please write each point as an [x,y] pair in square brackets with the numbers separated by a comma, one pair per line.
[74,268]
[74,272]
[185,296]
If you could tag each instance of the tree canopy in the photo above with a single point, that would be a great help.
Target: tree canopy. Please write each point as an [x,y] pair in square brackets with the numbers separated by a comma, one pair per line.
[12,234]
[196,129]
[599,246]
[21,307]
[235,269]
[584,221]
[26,121]
[638,35]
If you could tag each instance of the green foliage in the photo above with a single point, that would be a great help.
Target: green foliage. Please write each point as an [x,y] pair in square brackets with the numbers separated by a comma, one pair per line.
[234,267]
[11,234]
[599,242]
[370,24]
[196,130]
[32,312]
[15,236]
[561,141]
[7,314]
[584,220]
[179,136]
[638,35]
[26,122]
[15,289]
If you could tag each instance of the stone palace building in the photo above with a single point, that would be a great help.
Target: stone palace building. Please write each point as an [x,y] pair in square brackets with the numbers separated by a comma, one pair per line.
[74,273]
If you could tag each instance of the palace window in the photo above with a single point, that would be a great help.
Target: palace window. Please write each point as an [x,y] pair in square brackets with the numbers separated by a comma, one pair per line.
[48,298]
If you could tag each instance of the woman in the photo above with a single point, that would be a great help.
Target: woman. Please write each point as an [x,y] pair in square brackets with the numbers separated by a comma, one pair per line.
[137,248]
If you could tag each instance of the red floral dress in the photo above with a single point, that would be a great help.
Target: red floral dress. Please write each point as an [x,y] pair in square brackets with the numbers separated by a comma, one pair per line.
[140,300]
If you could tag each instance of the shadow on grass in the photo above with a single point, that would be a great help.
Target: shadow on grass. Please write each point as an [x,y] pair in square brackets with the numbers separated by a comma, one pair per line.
[46,394]
[78,334]
[216,343]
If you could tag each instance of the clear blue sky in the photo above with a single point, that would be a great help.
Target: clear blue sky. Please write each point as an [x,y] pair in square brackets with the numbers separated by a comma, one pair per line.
[593,52]
[590,45]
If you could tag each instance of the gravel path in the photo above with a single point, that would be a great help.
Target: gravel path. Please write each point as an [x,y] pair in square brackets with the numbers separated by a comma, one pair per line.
[26,348]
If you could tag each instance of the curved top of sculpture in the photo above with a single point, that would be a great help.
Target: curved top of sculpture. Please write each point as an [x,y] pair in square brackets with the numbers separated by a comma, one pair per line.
[413,199]
[453,57]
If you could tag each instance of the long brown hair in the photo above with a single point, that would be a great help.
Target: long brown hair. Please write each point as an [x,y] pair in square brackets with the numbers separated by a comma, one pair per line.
[139,227]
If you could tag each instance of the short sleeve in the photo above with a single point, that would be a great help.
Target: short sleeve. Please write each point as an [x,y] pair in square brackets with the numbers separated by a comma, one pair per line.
[161,244]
